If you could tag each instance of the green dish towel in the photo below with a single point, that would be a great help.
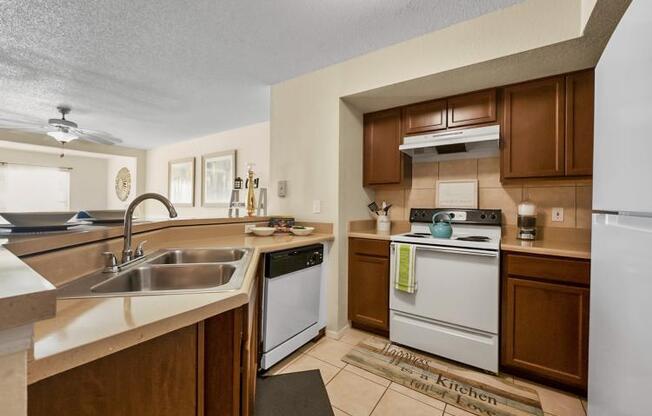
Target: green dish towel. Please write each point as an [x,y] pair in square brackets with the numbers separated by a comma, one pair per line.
[405,279]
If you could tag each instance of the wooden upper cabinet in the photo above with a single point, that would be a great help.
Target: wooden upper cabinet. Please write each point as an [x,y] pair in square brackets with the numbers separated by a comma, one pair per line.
[469,109]
[424,117]
[383,163]
[579,123]
[533,129]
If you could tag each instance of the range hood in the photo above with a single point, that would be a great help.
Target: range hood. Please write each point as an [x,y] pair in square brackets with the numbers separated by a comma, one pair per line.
[472,143]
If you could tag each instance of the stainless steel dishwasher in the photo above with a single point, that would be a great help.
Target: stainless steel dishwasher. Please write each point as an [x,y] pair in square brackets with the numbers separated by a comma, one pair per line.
[291,301]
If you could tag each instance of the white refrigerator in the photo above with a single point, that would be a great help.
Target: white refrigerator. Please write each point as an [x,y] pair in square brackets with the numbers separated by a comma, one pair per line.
[620,337]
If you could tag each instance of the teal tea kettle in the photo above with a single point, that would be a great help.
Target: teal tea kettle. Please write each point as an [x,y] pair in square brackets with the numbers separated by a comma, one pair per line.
[441,225]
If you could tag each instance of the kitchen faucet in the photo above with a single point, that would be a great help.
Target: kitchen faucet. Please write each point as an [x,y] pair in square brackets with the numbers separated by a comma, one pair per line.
[127,253]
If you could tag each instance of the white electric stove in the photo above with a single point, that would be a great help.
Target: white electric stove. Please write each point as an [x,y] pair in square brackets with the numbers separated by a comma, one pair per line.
[454,312]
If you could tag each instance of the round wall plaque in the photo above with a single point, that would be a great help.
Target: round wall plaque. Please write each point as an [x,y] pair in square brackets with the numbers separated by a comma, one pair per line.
[123,184]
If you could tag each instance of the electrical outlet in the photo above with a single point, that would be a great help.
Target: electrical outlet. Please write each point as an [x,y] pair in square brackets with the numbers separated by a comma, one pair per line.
[558,214]
[248,228]
[316,206]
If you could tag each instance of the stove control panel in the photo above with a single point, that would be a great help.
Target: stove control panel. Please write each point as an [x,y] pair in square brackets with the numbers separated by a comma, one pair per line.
[458,215]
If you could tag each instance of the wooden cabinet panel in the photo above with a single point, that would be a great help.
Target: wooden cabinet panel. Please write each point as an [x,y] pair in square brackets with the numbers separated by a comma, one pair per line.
[544,332]
[469,109]
[157,377]
[424,117]
[533,129]
[369,290]
[369,247]
[223,344]
[579,123]
[383,163]
[548,268]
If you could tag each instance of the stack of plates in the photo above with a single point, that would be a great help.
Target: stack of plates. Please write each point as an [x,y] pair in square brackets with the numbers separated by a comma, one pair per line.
[22,222]
[110,216]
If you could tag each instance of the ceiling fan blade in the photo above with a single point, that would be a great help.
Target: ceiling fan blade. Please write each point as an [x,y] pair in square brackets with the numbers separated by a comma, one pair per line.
[7,123]
[96,136]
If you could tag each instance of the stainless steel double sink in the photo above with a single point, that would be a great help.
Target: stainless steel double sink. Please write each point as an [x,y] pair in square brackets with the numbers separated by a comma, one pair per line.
[167,271]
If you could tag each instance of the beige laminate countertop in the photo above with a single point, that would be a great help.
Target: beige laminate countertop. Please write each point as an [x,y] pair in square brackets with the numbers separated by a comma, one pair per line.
[25,296]
[563,242]
[87,329]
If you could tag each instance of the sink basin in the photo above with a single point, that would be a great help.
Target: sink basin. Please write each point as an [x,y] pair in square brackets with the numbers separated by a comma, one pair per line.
[177,277]
[199,255]
[167,271]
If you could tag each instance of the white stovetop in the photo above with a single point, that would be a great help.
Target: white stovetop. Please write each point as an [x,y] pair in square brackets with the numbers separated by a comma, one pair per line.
[459,230]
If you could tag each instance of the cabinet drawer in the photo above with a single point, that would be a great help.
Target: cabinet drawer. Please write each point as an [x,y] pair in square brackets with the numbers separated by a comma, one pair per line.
[548,268]
[369,247]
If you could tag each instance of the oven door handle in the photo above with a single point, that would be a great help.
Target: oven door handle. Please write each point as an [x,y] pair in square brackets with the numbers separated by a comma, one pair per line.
[455,250]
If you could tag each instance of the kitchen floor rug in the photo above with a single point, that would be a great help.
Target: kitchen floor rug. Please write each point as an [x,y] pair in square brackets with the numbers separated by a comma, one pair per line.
[292,394]
[470,390]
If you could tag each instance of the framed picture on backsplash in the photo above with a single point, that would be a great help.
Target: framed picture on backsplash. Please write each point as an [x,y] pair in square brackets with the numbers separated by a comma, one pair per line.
[457,193]
[181,182]
[218,175]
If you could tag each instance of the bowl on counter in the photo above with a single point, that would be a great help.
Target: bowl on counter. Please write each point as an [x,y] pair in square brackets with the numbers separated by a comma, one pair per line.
[301,230]
[37,219]
[263,231]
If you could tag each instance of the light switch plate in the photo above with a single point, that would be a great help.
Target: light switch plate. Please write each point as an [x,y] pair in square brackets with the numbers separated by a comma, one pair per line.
[316,206]
[558,214]
[282,188]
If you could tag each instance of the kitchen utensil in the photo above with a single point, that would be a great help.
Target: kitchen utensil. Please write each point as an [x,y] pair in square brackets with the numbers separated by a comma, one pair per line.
[441,225]
[386,209]
[373,207]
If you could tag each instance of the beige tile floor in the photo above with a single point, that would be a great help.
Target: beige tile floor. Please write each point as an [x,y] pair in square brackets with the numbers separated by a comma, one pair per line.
[356,392]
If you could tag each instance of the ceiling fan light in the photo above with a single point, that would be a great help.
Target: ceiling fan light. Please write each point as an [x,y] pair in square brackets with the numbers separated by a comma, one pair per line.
[62,136]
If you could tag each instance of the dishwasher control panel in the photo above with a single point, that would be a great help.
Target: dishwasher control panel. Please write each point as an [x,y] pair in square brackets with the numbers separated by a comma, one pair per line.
[288,261]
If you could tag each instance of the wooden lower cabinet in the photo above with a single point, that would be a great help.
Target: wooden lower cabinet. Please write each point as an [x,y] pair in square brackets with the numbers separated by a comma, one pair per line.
[369,284]
[196,370]
[156,377]
[545,319]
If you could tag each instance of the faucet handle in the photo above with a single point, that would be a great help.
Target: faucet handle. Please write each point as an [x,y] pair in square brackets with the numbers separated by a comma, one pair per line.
[110,262]
[140,252]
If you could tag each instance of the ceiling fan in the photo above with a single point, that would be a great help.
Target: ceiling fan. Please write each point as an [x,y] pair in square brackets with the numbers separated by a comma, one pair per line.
[60,129]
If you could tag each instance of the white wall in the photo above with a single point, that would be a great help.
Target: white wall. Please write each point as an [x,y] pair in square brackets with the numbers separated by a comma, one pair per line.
[316,139]
[88,177]
[250,142]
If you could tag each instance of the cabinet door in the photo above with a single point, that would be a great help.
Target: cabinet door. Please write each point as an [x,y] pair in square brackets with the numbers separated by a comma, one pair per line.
[533,129]
[579,123]
[469,109]
[424,117]
[157,377]
[382,137]
[545,330]
[369,291]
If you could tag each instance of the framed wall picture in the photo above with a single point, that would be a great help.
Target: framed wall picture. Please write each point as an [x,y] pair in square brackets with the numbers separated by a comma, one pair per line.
[457,193]
[181,182]
[218,174]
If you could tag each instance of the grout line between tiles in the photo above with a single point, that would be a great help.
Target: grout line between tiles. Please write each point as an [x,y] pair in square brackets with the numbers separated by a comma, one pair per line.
[381,398]
[335,407]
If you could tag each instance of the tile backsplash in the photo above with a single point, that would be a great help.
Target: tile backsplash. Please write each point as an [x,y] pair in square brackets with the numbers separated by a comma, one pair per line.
[574,196]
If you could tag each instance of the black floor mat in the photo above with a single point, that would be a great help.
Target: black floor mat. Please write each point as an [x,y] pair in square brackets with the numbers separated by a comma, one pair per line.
[293,394]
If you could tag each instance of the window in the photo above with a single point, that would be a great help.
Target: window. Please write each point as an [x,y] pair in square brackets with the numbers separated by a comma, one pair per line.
[26,188]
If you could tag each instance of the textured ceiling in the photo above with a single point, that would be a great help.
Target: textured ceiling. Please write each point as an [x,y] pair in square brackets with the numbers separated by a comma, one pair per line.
[153,72]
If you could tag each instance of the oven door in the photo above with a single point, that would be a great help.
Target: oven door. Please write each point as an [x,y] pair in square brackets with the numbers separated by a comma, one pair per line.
[458,286]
